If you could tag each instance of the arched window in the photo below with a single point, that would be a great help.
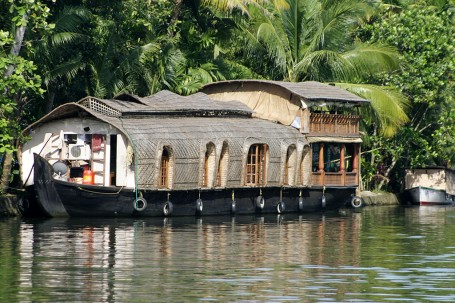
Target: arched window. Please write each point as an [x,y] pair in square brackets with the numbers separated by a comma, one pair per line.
[209,165]
[255,172]
[290,166]
[221,176]
[166,168]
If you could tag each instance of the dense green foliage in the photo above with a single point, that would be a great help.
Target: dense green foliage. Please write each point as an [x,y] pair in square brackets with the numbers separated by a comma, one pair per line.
[382,51]
[424,36]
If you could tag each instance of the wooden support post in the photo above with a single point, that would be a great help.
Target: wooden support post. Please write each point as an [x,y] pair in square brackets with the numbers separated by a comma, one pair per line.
[321,163]
[342,164]
[355,159]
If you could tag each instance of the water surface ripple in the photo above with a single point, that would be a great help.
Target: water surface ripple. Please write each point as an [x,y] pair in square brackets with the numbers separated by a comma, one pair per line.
[377,254]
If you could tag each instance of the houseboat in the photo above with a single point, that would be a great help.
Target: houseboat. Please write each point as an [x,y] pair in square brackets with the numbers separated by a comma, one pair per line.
[235,147]
[430,186]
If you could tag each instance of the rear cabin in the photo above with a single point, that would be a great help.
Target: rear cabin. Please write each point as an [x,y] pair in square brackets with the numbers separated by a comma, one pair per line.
[324,114]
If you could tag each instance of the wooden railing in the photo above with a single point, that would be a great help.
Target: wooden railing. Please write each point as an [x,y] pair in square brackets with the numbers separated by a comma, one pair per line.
[334,124]
[334,179]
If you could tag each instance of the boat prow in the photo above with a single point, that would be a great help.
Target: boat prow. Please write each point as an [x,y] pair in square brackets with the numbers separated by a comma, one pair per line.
[47,195]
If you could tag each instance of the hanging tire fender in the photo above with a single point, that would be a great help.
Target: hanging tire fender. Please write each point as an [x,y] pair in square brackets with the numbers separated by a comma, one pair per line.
[140,204]
[280,207]
[199,206]
[300,204]
[356,202]
[168,207]
[260,202]
[233,206]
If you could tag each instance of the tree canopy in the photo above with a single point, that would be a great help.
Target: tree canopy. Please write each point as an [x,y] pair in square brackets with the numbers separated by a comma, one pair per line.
[398,54]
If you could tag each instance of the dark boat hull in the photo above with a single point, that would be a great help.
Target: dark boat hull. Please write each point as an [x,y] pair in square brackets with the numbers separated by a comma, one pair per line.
[58,198]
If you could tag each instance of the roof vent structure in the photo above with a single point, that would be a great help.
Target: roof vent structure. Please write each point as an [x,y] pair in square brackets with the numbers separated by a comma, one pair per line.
[100,107]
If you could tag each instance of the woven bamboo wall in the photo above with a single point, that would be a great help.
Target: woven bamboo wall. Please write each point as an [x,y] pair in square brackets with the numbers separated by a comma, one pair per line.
[188,137]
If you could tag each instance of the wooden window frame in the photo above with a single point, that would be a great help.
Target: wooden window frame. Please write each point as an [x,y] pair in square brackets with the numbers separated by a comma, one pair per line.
[164,168]
[256,165]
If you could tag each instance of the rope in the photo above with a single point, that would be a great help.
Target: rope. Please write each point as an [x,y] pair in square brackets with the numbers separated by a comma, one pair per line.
[95,192]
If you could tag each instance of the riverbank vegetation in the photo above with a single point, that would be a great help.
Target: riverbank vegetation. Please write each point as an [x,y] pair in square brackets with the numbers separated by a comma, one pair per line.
[398,54]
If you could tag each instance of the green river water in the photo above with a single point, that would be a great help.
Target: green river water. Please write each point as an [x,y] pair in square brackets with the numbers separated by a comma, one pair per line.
[375,254]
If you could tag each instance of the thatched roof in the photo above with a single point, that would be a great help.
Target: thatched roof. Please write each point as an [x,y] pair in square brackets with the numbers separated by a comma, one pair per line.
[309,90]
[149,130]
[278,100]
[166,102]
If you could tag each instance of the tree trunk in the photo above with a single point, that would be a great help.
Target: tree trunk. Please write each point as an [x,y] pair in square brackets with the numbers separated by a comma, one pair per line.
[18,40]
[7,163]
[387,172]
[8,159]
[175,17]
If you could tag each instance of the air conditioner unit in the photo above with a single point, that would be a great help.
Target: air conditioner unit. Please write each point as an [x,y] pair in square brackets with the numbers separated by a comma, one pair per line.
[78,152]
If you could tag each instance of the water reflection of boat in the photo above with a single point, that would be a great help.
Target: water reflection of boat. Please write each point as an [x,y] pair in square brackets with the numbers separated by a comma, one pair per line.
[433,217]
[122,259]
[430,186]
[204,154]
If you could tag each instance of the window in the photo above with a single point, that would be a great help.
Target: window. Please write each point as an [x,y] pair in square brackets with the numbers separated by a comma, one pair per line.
[209,165]
[316,147]
[290,166]
[332,154]
[165,180]
[332,157]
[221,176]
[349,157]
[256,165]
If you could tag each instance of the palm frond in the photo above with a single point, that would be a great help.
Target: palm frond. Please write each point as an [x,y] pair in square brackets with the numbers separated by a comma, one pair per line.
[188,86]
[370,59]
[69,69]
[235,70]
[324,65]
[389,105]
[62,38]
[276,48]
[228,5]
[292,19]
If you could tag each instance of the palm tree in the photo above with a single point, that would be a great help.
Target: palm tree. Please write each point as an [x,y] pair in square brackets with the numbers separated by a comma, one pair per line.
[314,40]
[54,53]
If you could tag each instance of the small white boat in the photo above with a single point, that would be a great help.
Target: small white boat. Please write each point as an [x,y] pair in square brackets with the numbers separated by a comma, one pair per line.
[429,196]
[430,186]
